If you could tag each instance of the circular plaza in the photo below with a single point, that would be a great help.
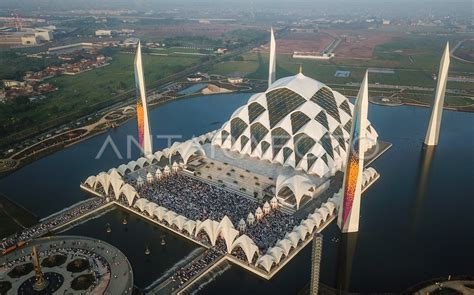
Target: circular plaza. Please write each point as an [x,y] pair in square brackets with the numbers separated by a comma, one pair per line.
[65,265]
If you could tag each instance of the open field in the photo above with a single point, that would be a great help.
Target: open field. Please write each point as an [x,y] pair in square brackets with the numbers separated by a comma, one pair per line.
[466,50]
[303,42]
[325,70]
[361,44]
[421,52]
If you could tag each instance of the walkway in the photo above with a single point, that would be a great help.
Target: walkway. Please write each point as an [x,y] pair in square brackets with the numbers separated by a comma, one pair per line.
[56,221]
[173,285]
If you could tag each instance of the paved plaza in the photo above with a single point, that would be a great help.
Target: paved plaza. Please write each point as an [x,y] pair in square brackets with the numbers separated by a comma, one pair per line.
[71,265]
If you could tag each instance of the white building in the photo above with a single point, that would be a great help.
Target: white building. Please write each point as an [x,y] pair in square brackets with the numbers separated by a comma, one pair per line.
[235,80]
[298,122]
[41,34]
[103,33]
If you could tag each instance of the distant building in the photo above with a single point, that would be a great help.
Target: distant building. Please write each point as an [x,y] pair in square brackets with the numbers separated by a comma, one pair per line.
[131,42]
[41,34]
[13,83]
[18,39]
[194,78]
[235,80]
[221,50]
[103,33]
[312,55]
[386,22]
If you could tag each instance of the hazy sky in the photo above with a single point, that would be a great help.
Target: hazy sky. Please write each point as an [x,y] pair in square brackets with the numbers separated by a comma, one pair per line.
[407,5]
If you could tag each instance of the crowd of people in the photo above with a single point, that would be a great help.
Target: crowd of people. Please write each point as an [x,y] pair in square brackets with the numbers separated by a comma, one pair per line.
[195,199]
[271,228]
[51,223]
[188,271]
[198,200]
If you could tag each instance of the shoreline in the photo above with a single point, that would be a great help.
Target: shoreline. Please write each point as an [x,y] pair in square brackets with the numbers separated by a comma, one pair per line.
[93,132]
[153,104]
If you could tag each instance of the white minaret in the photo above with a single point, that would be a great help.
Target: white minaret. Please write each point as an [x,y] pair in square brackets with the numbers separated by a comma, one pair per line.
[144,131]
[432,134]
[349,209]
[272,60]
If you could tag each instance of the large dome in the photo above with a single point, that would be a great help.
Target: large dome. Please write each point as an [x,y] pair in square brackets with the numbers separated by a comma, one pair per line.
[297,122]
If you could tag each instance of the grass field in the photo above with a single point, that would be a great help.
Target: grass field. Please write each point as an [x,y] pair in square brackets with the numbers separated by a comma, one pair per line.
[420,52]
[80,94]
[321,70]
[417,74]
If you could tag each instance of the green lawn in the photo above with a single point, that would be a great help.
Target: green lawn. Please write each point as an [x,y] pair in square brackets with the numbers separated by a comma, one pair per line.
[324,71]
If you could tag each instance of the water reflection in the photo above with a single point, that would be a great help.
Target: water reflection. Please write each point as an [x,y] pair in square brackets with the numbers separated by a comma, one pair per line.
[345,259]
[424,169]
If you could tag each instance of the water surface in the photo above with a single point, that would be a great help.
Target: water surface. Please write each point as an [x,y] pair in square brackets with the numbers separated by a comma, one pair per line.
[416,221]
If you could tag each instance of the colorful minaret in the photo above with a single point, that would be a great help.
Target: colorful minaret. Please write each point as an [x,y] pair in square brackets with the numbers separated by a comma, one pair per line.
[432,134]
[144,132]
[348,217]
[272,60]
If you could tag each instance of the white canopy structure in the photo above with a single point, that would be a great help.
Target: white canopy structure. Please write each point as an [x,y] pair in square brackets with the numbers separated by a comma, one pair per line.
[180,221]
[301,230]
[170,216]
[129,192]
[294,237]
[276,252]
[90,181]
[187,149]
[369,175]
[160,154]
[286,245]
[227,231]
[213,229]
[210,228]
[300,185]
[141,204]
[160,213]
[143,162]
[150,208]
[266,261]
[323,212]
[330,206]
[123,169]
[247,245]
[189,226]
[309,224]
[316,218]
